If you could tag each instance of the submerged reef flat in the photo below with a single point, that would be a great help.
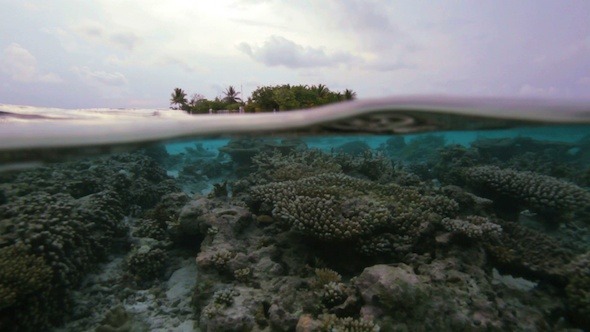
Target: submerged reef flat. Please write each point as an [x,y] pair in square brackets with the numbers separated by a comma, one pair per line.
[270,234]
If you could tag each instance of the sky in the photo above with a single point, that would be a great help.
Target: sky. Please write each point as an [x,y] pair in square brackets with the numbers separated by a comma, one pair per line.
[133,53]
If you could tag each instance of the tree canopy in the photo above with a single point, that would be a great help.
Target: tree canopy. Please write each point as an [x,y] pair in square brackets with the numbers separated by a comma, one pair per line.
[263,99]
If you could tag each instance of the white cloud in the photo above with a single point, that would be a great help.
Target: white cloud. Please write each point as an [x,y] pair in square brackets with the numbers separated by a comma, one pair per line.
[279,51]
[98,77]
[21,65]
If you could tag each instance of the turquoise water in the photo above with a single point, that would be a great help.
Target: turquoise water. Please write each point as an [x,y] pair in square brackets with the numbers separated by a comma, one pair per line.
[556,133]
[443,230]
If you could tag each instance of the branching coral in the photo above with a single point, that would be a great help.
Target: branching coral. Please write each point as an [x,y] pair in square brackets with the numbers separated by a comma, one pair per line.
[347,324]
[331,218]
[333,293]
[296,165]
[543,194]
[336,207]
[221,258]
[474,227]
[317,207]
[325,276]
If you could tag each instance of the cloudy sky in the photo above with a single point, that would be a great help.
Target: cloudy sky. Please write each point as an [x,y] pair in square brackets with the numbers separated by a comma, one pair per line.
[133,53]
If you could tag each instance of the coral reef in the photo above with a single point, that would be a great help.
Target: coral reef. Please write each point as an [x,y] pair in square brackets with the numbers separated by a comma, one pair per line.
[540,193]
[333,323]
[67,218]
[25,289]
[474,227]
[146,263]
[415,235]
[525,252]
[336,207]
[119,320]
[294,166]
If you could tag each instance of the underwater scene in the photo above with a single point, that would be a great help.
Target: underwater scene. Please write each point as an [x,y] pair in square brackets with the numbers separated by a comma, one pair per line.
[437,231]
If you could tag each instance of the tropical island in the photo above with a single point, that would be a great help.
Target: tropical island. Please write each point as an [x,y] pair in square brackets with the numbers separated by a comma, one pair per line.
[264,99]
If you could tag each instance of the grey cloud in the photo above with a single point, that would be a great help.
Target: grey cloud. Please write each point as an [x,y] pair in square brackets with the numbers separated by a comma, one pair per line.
[370,25]
[99,77]
[388,65]
[90,30]
[369,22]
[366,16]
[127,40]
[177,61]
[279,51]
[96,32]
[21,65]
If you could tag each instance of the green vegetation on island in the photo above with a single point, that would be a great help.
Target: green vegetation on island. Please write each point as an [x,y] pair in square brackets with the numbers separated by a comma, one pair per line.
[263,99]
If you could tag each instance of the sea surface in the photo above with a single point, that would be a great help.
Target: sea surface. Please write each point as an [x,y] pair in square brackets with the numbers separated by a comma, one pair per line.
[399,214]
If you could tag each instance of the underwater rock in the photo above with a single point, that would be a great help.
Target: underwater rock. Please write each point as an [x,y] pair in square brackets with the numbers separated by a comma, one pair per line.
[232,311]
[220,222]
[306,323]
[384,288]
[119,320]
[194,220]
[146,263]
[578,290]
[155,222]
[281,319]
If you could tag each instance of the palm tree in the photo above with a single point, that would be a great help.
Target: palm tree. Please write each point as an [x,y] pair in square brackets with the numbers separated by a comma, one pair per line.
[349,94]
[178,98]
[320,90]
[231,95]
